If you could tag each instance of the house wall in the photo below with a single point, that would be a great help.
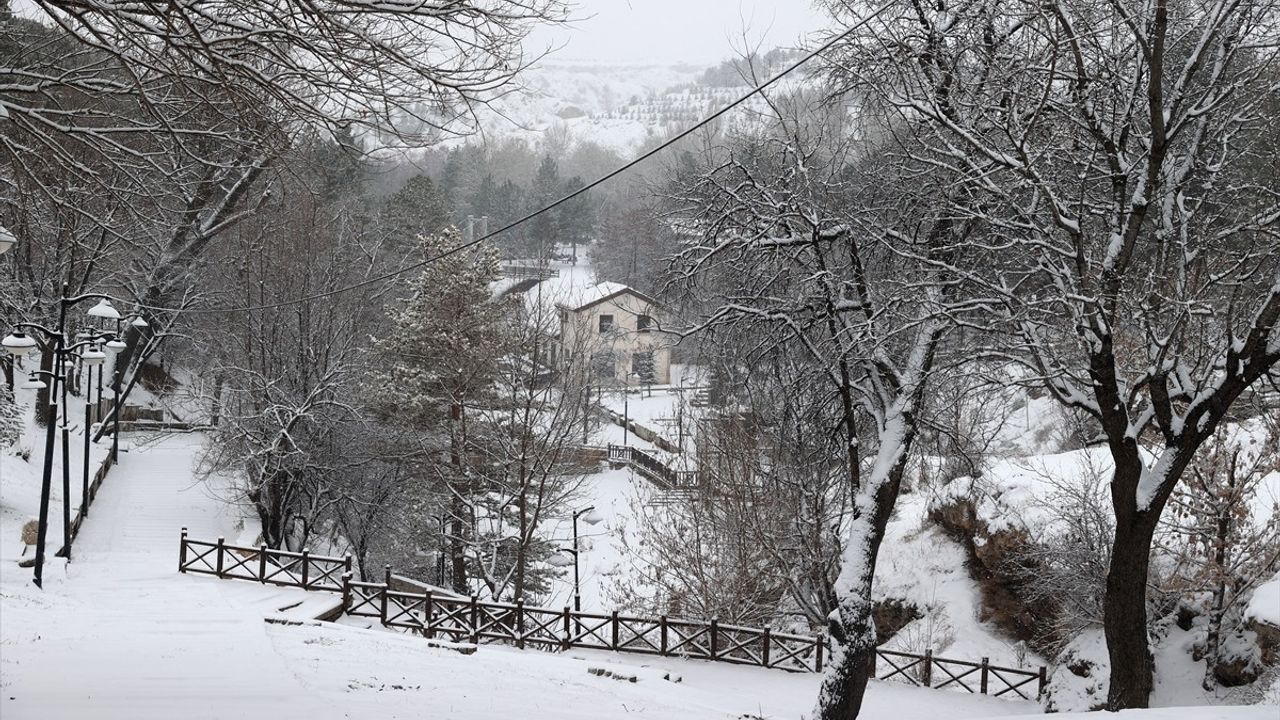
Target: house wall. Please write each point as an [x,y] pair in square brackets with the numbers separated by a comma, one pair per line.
[581,337]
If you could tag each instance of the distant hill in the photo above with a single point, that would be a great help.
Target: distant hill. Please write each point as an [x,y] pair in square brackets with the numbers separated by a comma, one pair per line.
[618,106]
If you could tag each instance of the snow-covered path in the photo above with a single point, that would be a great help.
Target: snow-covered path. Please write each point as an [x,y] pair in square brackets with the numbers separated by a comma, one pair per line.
[118,633]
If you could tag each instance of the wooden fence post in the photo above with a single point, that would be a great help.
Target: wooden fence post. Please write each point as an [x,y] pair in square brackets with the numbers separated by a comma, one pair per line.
[182,552]
[428,630]
[475,620]
[306,567]
[614,618]
[221,544]
[715,630]
[346,591]
[262,564]
[347,564]
[983,676]
[764,652]
[819,644]
[520,623]
[662,631]
[568,630]
[1044,682]
[386,588]
[871,671]
[926,675]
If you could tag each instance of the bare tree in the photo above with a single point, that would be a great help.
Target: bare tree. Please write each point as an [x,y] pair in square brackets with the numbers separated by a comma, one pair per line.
[529,433]
[174,114]
[289,379]
[1118,151]
[1225,539]
[800,236]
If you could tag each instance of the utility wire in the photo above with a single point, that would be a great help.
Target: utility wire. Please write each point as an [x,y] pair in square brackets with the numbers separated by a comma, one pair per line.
[547,208]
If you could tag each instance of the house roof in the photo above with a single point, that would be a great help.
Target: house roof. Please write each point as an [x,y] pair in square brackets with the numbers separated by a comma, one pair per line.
[601,292]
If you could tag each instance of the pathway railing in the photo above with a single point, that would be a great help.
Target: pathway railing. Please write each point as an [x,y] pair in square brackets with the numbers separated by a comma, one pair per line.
[655,469]
[472,620]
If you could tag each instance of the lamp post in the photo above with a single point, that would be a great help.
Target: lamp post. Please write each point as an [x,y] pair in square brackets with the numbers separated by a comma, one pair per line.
[590,517]
[91,357]
[19,343]
[626,405]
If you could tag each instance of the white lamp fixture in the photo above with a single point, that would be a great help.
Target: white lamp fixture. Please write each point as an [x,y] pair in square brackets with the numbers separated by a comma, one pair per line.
[33,383]
[92,357]
[138,322]
[114,346]
[18,343]
[105,310]
[7,240]
[592,517]
[560,559]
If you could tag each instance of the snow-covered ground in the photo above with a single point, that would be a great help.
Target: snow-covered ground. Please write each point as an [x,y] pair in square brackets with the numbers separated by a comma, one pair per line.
[119,633]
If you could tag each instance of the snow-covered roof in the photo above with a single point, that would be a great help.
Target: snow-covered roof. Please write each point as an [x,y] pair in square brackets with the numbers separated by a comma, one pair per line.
[600,292]
[594,294]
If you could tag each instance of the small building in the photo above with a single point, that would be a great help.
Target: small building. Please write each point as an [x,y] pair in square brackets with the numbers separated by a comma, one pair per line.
[617,330]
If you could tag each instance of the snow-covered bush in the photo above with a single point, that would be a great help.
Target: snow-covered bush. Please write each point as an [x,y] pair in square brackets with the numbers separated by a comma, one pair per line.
[1079,678]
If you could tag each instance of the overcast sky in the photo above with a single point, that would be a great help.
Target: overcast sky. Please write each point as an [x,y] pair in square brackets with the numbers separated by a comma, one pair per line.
[665,31]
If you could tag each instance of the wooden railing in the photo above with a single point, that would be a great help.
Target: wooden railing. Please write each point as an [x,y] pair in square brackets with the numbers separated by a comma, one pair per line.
[650,466]
[263,564]
[475,621]
[529,272]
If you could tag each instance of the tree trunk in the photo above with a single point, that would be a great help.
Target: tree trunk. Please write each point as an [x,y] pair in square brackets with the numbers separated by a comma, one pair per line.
[853,645]
[1125,611]
[457,548]
[851,624]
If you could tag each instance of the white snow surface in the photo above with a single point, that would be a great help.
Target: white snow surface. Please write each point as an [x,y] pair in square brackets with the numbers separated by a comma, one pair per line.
[119,633]
[1265,605]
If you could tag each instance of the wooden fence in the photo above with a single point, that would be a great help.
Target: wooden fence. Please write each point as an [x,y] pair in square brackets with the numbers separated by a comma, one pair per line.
[653,468]
[475,621]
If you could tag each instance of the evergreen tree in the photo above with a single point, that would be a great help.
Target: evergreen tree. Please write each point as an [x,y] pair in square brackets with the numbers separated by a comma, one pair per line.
[442,354]
[577,217]
[417,209]
[544,230]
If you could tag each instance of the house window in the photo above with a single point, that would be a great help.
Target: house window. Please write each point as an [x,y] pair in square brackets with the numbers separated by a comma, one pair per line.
[643,323]
[606,323]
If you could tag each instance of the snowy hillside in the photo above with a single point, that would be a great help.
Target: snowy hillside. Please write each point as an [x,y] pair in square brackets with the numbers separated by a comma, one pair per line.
[618,106]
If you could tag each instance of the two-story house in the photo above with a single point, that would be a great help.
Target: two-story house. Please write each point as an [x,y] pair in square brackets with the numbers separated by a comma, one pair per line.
[616,329]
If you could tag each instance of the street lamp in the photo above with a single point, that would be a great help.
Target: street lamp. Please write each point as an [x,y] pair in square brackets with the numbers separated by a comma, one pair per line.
[626,414]
[19,343]
[91,357]
[589,516]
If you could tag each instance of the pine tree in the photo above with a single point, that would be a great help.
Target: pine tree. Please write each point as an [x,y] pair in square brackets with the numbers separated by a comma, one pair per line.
[442,354]
[544,230]
[577,216]
[417,209]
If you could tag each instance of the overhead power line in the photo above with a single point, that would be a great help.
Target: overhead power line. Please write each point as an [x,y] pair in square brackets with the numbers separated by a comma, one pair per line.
[546,208]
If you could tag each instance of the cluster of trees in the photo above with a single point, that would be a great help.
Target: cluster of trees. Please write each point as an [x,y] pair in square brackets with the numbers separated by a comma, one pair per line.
[159,156]
[1081,194]
[511,181]
[409,423]
[134,139]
